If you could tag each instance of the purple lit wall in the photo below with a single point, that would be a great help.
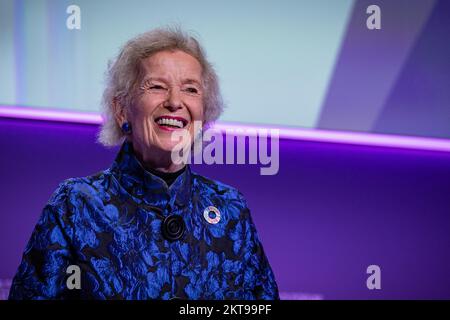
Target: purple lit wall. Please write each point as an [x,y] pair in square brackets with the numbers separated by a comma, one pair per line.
[332,210]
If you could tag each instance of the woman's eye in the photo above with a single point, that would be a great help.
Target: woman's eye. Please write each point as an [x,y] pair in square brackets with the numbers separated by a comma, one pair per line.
[157,87]
[191,90]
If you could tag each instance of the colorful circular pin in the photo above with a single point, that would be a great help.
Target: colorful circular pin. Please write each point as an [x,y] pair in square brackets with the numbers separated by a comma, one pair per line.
[212,215]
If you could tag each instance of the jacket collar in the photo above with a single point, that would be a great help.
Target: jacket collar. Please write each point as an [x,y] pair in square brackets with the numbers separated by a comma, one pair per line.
[146,186]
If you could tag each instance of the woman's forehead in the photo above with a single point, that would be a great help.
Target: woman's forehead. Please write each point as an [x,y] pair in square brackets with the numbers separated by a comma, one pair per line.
[165,65]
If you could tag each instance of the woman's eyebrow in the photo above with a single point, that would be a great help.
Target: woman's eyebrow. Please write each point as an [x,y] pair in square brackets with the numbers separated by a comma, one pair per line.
[191,81]
[161,79]
[155,79]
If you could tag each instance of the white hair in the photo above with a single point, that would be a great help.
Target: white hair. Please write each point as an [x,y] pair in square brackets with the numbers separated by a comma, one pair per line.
[125,72]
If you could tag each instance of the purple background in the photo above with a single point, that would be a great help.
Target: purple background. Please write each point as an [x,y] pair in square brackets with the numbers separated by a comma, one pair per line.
[331,211]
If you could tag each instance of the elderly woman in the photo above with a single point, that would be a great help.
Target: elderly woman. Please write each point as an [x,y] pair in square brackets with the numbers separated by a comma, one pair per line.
[147,227]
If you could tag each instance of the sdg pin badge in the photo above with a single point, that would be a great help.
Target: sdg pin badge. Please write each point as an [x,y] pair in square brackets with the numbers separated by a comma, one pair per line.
[211,214]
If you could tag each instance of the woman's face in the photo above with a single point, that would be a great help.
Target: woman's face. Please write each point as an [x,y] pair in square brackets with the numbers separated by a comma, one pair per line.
[170,99]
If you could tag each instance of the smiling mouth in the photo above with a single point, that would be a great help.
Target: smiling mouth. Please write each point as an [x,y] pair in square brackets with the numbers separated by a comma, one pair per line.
[171,123]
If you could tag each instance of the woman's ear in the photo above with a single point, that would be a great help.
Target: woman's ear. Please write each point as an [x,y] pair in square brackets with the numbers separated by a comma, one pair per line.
[119,111]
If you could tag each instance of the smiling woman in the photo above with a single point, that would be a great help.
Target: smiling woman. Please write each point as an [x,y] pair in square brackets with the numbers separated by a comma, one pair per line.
[148,228]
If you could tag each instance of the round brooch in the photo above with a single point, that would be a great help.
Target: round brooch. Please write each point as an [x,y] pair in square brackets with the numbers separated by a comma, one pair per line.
[211,214]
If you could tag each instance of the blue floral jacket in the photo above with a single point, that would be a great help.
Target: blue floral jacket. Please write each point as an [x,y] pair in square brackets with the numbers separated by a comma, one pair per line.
[110,226]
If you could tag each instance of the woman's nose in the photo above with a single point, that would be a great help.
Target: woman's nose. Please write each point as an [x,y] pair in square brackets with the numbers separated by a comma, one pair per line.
[174,99]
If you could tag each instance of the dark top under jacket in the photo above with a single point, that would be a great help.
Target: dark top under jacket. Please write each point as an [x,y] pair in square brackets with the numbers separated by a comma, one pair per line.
[168,177]
[133,237]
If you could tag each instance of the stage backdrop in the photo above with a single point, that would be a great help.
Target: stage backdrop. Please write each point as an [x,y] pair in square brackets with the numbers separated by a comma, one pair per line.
[309,64]
[333,209]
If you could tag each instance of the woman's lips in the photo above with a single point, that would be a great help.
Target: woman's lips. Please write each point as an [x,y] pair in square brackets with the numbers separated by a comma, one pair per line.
[171,123]
[166,128]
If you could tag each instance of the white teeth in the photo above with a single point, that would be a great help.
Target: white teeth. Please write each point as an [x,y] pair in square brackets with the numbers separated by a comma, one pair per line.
[170,122]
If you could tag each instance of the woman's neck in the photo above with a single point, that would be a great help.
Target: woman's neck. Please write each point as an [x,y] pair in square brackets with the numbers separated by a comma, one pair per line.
[156,159]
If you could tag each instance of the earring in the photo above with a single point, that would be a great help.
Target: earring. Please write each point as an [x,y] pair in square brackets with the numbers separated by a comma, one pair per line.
[126,127]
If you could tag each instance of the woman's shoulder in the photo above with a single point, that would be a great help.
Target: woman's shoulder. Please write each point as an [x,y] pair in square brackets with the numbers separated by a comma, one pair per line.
[79,187]
[213,187]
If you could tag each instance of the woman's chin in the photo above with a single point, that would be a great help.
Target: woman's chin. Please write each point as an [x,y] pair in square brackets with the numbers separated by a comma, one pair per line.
[168,146]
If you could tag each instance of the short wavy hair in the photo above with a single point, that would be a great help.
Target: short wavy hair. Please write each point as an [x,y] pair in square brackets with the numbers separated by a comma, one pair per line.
[124,74]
